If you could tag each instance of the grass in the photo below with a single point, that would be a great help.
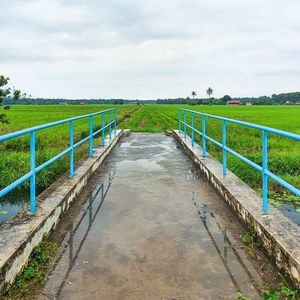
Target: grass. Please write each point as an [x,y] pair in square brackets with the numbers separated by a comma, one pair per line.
[241,296]
[49,142]
[34,274]
[280,293]
[250,238]
[284,154]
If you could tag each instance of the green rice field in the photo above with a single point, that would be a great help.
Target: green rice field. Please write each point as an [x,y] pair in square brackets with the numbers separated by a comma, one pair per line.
[284,154]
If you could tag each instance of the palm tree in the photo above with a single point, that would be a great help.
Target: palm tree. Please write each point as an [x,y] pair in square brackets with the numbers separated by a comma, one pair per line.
[194,94]
[209,92]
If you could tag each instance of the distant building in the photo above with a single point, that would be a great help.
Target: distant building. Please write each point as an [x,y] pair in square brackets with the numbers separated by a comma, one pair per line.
[233,102]
[248,103]
[292,103]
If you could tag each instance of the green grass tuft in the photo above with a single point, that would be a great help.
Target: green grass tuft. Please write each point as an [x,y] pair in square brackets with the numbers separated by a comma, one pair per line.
[34,274]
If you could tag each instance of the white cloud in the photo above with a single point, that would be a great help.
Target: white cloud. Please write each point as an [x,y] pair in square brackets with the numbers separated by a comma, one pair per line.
[150,48]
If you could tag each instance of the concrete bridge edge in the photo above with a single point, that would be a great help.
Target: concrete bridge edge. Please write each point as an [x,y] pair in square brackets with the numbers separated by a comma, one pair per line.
[22,233]
[279,236]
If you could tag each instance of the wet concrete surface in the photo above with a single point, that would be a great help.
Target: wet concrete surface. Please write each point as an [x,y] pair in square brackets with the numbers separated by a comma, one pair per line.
[153,229]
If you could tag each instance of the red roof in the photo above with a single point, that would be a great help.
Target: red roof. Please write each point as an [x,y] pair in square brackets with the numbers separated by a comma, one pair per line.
[233,101]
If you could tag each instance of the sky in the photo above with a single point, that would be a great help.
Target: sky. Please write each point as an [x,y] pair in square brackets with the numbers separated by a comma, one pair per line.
[150,49]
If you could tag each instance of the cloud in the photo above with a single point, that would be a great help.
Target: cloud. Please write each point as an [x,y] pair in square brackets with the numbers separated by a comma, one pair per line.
[150,48]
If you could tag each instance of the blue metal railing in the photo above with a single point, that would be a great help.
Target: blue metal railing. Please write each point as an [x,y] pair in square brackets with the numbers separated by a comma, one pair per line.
[266,174]
[112,121]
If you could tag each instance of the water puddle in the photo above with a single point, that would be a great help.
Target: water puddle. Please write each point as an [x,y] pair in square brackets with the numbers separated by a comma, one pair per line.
[241,272]
[140,165]
[291,210]
[148,240]
[75,237]
[8,210]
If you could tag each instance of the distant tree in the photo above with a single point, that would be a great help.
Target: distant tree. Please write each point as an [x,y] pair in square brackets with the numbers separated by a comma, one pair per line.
[209,92]
[7,92]
[283,98]
[226,98]
[215,101]
[118,101]
[6,107]
[194,94]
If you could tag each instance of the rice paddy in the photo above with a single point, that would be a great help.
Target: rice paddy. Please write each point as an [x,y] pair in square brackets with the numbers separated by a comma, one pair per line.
[284,154]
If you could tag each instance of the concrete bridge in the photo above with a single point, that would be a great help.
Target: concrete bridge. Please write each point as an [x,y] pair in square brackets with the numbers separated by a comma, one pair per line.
[161,232]
[148,221]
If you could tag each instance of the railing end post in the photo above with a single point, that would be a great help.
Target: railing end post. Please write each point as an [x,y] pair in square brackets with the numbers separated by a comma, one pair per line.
[265,196]
[109,122]
[91,137]
[103,130]
[184,123]
[224,170]
[264,169]
[32,209]
[192,129]
[224,153]
[72,149]
[32,177]
[115,122]
[203,136]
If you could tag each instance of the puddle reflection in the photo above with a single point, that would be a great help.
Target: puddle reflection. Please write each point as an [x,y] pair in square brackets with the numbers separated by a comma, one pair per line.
[77,233]
[239,273]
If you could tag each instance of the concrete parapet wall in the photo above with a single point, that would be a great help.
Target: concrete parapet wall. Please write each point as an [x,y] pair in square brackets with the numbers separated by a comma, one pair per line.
[23,232]
[279,236]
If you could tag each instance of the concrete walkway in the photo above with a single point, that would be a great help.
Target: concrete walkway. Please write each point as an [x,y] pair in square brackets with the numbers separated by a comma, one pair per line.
[161,233]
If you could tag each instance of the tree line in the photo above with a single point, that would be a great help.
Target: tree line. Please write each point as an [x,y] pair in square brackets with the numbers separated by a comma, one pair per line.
[194,100]
[10,95]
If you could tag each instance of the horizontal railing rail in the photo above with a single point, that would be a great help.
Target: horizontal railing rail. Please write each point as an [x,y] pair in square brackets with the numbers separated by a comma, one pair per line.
[110,125]
[263,169]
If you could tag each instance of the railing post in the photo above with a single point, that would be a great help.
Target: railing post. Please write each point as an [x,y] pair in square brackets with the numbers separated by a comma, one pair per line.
[192,125]
[109,122]
[264,169]
[72,149]
[115,122]
[32,169]
[103,130]
[179,125]
[91,137]
[224,146]
[184,123]
[203,136]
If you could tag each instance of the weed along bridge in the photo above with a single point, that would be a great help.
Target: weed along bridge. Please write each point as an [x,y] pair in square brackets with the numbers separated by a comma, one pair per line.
[149,216]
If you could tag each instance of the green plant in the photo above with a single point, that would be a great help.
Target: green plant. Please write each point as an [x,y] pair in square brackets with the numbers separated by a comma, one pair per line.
[250,238]
[34,273]
[241,296]
[29,272]
[283,293]
[7,92]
